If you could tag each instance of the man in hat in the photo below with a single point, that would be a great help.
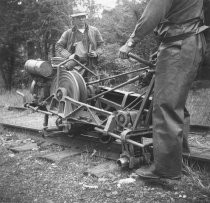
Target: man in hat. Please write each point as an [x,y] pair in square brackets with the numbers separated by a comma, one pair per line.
[81,42]
[179,25]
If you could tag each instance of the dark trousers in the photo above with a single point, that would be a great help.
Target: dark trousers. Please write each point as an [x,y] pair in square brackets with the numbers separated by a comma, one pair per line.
[177,67]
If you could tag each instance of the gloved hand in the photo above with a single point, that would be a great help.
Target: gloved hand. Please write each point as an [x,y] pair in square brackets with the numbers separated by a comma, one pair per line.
[93,54]
[124,50]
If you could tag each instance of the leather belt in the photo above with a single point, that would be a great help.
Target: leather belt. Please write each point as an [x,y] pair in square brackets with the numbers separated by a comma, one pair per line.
[184,35]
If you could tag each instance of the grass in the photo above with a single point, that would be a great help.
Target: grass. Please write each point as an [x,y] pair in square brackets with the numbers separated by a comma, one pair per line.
[11,98]
[198,103]
[25,178]
[197,175]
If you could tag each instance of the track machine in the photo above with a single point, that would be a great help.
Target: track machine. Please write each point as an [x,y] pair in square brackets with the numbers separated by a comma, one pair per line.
[85,107]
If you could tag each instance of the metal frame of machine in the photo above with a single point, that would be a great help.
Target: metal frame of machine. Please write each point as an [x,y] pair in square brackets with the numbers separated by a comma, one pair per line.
[113,114]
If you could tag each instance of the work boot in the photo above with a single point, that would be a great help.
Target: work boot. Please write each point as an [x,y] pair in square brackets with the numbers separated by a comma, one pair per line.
[149,173]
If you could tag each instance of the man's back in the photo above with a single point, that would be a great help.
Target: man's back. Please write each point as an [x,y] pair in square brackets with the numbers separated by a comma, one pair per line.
[157,11]
[183,10]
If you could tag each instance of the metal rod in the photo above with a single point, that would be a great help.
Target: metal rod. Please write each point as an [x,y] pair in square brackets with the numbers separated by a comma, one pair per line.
[63,62]
[149,91]
[115,76]
[134,106]
[22,95]
[135,101]
[114,88]
[58,76]
[85,67]
[148,63]
[46,120]
[118,137]
[37,110]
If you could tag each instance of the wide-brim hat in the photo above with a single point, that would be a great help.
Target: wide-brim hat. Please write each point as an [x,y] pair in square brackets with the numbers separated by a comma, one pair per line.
[78,13]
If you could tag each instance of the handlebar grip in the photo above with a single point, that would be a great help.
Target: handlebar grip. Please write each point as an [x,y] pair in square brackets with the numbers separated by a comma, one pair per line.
[139,59]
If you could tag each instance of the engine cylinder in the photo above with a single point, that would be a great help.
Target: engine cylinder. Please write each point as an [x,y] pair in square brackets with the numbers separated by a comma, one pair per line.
[38,68]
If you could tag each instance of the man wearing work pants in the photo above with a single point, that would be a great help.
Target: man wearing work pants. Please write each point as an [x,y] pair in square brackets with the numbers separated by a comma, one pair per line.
[179,25]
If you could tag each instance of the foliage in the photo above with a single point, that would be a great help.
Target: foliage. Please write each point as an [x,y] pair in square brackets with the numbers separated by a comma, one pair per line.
[30,28]
[10,39]
[118,23]
[43,22]
[116,26]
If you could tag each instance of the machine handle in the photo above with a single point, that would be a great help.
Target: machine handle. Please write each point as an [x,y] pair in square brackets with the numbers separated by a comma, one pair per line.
[139,59]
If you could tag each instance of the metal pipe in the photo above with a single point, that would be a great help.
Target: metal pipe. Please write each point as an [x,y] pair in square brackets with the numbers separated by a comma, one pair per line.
[123,162]
[114,88]
[118,137]
[115,76]
[148,63]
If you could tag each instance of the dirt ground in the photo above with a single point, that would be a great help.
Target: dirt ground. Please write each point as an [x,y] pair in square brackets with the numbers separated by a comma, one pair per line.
[25,178]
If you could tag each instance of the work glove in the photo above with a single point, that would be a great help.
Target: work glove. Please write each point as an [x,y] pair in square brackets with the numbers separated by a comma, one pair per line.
[92,54]
[124,50]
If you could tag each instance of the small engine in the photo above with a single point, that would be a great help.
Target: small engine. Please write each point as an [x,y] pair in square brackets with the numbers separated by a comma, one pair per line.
[41,72]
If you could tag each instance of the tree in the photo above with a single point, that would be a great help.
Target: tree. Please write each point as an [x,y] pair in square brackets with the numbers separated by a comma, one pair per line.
[10,38]
[117,25]
[31,26]
[43,23]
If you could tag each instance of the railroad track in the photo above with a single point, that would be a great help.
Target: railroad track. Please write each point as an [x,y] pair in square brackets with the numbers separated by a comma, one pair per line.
[13,108]
[199,129]
[194,129]
[113,150]
[109,151]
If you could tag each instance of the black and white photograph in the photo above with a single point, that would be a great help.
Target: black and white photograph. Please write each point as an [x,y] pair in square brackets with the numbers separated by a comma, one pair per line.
[104,101]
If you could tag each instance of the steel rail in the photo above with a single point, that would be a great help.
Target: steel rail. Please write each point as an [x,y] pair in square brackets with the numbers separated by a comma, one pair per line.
[194,129]
[112,152]
[192,157]
[9,125]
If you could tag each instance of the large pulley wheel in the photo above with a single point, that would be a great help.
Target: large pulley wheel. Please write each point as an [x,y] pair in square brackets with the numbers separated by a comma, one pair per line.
[73,83]
[82,86]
